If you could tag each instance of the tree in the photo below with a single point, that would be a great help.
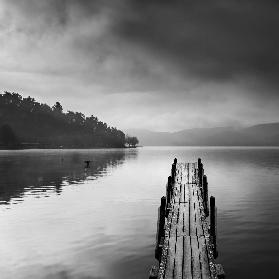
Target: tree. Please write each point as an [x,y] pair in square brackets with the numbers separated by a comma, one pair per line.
[28,104]
[51,127]
[7,135]
[57,107]
[131,141]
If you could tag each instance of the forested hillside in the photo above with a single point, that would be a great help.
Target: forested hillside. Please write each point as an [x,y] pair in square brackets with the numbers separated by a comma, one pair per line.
[27,123]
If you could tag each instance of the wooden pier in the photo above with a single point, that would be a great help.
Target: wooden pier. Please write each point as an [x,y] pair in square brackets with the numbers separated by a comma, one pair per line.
[186,235]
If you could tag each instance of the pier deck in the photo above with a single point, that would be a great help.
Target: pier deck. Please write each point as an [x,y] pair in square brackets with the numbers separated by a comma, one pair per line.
[186,243]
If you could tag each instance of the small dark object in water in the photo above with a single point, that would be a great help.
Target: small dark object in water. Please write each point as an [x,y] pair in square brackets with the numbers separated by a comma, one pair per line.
[87,164]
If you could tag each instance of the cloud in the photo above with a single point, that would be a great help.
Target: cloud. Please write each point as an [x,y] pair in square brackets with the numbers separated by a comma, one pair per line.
[215,39]
[153,58]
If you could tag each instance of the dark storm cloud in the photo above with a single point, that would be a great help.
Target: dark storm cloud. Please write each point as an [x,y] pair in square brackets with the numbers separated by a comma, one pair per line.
[210,39]
[148,59]
[205,39]
[53,12]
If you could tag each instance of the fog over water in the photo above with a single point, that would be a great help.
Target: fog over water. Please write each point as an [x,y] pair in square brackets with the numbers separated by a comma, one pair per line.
[59,220]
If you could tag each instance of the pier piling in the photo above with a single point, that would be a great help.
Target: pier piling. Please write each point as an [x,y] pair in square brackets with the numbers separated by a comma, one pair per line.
[205,195]
[213,225]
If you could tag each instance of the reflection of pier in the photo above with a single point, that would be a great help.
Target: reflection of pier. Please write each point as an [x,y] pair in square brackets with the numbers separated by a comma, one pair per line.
[186,243]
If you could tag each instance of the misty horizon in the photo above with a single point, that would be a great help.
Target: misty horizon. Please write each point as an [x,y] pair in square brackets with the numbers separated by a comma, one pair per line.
[235,126]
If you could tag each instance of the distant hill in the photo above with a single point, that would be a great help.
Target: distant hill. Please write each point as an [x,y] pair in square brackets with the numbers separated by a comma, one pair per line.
[27,123]
[258,135]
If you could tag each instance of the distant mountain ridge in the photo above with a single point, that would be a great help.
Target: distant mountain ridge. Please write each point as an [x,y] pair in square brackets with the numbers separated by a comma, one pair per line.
[257,135]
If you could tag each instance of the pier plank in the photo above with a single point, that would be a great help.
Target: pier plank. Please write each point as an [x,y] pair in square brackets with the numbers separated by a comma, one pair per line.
[187,242]
[182,193]
[196,267]
[178,258]
[205,270]
[186,219]
[192,209]
[187,259]
[171,258]
[180,224]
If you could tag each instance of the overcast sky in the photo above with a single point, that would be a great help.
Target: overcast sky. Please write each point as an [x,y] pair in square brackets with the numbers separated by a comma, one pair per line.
[162,65]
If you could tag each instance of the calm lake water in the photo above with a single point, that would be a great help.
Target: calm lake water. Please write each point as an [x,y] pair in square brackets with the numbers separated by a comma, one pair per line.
[58,220]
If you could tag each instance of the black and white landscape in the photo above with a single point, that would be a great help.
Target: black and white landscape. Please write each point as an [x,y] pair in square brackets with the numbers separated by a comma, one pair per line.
[97,98]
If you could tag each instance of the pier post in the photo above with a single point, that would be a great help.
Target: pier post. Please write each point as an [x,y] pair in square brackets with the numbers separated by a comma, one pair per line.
[199,163]
[173,172]
[213,225]
[205,195]
[169,194]
[200,173]
[162,216]
[169,189]
[161,229]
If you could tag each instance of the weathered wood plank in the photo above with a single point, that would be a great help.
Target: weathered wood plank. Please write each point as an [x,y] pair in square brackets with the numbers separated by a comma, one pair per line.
[196,267]
[178,258]
[173,224]
[205,270]
[186,193]
[198,205]
[188,170]
[204,227]
[192,209]
[187,258]
[186,219]
[180,225]
[195,215]
[190,174]
[171,258]
[182,193]
[176,193]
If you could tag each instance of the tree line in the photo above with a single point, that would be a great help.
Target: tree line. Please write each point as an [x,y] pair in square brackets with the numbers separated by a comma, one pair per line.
[27,123]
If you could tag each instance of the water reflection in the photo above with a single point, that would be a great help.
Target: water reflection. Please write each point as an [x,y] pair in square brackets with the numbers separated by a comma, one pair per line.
[103,225]
[40,173]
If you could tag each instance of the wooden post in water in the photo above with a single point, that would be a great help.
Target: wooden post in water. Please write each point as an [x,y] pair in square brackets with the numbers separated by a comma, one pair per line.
[200,171]
[205,195]
[169,189]
[162,216]
[169,194]
[199,163]
[213,225]
[173,171]
[161,229]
